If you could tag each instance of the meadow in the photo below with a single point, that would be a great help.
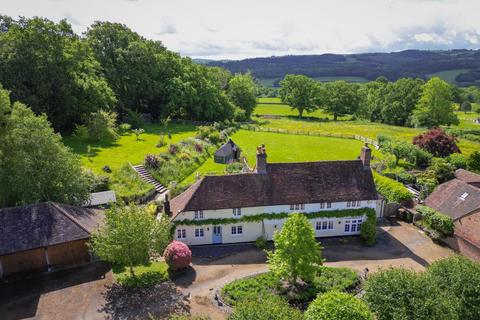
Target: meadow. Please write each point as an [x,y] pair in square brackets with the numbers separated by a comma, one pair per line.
[448,75]
[127,148]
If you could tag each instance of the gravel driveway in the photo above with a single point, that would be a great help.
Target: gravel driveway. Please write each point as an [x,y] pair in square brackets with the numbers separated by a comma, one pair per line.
[84,293]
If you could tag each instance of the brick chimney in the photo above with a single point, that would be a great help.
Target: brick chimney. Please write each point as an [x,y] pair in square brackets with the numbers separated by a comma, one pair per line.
[261,166]
[166,206]
[366,155]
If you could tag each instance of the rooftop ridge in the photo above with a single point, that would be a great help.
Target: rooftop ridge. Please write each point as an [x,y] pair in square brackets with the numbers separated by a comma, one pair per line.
[68,215]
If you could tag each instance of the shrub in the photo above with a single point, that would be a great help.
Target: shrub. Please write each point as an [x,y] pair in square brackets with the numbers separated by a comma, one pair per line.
[101,126]
[392,190]
[437,142]
[177,255]
[145,275]
[422,158]
[368,232]
[441,169]
[402,294]
[151,161]
[81,132]
[97,183]
[405,176]
[338,306]
[128,185]
[460,277]
[124,128]
[210,134]
[249,288]
[265,307]
[473,162]
[335,279]
[439,222]
[137,132]
[261,242]
[173,149]
[427,184]
[234,167]
[135,119]
[458,161]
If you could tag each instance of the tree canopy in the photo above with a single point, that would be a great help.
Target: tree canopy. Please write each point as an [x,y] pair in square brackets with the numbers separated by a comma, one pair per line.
[300,92]
[339,98]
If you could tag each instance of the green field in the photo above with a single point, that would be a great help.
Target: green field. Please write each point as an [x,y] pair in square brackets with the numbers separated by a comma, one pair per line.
[448,75]
[269,82]
[127,148]
[287,148]
[273,106]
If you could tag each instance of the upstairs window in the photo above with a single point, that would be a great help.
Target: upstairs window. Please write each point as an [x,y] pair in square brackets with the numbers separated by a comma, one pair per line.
[237,212]
[298,206]
[348,204]
[329,204]
[198,214]
[322,205]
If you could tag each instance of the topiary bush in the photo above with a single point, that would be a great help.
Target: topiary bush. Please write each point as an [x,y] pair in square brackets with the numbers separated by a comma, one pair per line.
[177,255]
[338,306]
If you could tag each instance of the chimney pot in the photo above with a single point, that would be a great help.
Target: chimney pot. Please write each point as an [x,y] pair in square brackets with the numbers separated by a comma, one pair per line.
[366,155]
[261,166]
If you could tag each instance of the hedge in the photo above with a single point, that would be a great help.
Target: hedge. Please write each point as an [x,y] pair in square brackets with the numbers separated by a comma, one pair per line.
[439,222]
[282,215]
[368,233]
[392,190]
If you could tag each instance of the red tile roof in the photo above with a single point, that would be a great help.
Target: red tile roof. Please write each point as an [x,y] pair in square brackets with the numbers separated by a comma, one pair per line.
[284,183]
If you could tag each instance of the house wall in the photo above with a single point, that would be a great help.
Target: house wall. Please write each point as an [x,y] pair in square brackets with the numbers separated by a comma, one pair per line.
[30,260]
[467,235]
[253,230]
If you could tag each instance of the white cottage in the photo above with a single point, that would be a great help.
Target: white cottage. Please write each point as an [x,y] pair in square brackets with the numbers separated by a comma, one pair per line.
[242,207]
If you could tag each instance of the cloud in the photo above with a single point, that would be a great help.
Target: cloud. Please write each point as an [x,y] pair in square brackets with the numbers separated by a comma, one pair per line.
[167,28]
[72,20]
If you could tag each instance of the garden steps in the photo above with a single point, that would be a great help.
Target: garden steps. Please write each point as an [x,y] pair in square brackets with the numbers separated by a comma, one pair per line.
[147,177]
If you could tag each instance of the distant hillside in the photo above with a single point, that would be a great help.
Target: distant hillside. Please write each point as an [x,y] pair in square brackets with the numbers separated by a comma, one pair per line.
[459,66]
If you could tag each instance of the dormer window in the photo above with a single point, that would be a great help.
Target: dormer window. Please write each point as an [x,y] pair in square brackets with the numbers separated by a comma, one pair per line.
[464,196]
[237,212]
[198,214]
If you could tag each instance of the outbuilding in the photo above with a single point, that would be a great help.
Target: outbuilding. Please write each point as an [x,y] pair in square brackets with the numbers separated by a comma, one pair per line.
[45,236]
[227,152]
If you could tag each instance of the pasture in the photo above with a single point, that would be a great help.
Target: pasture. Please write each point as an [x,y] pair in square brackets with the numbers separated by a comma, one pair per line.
[448,75]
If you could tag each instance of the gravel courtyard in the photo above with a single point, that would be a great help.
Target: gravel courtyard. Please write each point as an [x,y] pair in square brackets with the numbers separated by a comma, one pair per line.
[89,292]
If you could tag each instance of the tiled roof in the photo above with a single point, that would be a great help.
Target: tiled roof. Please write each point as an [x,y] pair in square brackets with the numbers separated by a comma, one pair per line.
[44,224]
[468,177]
[284,183]
[455,198]
[226,149]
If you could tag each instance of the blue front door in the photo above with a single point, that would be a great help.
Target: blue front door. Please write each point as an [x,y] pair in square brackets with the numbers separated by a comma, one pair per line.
[217,234]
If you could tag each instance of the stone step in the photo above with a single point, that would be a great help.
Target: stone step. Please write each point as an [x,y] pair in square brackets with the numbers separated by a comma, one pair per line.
[147,177]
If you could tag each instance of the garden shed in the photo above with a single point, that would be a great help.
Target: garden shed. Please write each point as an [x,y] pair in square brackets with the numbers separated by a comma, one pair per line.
[45,236]
[228,152]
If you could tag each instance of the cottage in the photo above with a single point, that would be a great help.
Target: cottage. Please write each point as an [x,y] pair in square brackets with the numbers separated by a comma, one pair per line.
[45,236]
[243,207]
[460,199]
[227,152]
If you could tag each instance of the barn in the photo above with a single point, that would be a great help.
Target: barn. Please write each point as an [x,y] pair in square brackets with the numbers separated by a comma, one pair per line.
[45,236]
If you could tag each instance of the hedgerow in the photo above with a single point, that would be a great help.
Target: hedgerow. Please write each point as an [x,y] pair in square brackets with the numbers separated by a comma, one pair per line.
[392,190]
[439,222]
[368,232]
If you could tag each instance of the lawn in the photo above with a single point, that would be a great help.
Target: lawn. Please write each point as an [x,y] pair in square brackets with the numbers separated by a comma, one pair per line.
[127,148]
[145,275]
[286,148]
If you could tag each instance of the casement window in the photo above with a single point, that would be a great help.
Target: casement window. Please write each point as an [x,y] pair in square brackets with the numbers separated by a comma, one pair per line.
[353,225]
[349,204]
[324,225]
[322,205]
[198,214]
[292,207]
[359,203]
[298,206]
[237,212]
[199,233]
[237,230]
[329,204]
[181,233]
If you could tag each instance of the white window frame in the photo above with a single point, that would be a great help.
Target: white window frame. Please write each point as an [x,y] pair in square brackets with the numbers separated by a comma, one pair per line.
[322,205]
[236,230]
[347,226]
[199,233]
[198,214]
[181,233]
[292,207]
[348,204]
[324,225]
[329,204]
[359,203]
[237,212]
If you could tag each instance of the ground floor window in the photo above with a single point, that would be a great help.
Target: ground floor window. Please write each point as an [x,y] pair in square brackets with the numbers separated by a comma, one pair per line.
[324,225]
[353,225]
[237,230]
[181,233]
[199,233]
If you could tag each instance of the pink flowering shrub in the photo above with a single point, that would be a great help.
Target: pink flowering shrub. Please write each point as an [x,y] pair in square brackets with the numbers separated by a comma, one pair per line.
[177,255]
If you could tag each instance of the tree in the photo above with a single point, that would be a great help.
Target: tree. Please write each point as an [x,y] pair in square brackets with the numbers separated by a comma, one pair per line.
[242,92]
[400,99]
[435,105]
[437,142]
[138,132]
[338,306]
[473,162]
[128,238]
[297,254]
[402,294]
[400,149]
[466,106]
[5,109]
[460,277]
[48,67]
[340,98]
[265,308]
[101,126]
[441,169]
[35,165]
[299,92]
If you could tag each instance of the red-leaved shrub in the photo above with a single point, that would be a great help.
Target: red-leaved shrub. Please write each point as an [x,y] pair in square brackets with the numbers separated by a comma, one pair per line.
[177,255]
[437,142]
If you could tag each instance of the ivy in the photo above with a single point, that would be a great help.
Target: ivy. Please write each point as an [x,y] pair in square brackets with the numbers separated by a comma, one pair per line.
[282,215]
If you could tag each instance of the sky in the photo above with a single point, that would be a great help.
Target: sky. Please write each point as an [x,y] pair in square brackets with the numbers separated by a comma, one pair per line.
[227,29]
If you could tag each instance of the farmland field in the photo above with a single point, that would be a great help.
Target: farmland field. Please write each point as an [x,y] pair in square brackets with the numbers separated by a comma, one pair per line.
[269,82]
[448,75]
[127,148]
[287,148]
